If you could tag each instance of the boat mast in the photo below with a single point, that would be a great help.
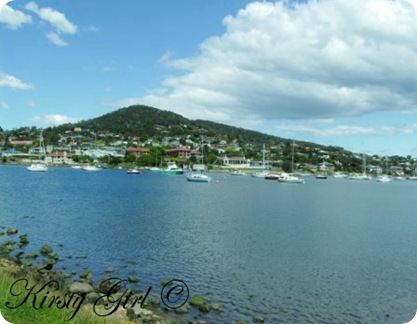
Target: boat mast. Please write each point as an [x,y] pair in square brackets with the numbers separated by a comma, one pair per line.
[292,158]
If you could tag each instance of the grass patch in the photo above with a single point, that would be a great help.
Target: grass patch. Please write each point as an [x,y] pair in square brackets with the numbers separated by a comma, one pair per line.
[26,313]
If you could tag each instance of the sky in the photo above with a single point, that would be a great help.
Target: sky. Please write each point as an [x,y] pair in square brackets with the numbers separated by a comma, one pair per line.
[333,72]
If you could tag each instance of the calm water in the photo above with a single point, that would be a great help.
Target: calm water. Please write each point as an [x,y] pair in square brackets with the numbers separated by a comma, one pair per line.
[329,251]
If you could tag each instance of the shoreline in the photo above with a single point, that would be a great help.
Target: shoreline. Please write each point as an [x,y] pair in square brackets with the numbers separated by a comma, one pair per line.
[109,297]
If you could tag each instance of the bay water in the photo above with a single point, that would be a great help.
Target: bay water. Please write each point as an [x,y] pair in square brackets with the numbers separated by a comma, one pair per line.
[329,251]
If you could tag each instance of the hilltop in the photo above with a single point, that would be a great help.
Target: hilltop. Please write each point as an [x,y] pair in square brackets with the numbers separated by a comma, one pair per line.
[145,122]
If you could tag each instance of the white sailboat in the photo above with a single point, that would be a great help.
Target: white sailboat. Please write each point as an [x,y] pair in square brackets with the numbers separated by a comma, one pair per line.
[261,173]
[199,176]
[291,178]
[362,176]
[39,166]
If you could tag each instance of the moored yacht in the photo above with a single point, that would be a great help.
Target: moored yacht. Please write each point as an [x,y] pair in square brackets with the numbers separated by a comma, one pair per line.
[172,168]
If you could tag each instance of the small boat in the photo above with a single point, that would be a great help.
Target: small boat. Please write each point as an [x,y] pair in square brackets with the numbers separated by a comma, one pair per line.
[133,171]
[383,178]
[237,173]
[38,167]
[261,173]
[198,177]
[154,169]
[91,168]
[172,168]
[362,176]
[289,178]
[272,176]
[339,175]
[321,176]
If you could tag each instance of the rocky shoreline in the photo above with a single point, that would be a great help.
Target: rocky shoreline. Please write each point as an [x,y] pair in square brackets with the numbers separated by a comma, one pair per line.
[109,296]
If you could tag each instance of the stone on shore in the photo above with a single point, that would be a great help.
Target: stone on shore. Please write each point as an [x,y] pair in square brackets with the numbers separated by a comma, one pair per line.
[23,240]
[132,279]
[197,301]
[80,288]
[204,308]
[46,249]
[258,319]
[144,315]
[32,255]
[182,310]
[11,231]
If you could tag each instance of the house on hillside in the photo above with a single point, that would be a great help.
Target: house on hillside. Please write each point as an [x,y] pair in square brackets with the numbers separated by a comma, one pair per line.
[182,153]
[138,151]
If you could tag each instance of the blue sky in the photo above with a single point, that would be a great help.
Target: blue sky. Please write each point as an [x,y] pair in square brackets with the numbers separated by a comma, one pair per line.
[334,72]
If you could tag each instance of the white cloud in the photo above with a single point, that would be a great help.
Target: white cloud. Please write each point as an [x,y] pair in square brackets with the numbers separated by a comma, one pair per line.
[14,19]
[315,60]
[347,130]
[9,81]
[56,39]
[53,120]
[55,18]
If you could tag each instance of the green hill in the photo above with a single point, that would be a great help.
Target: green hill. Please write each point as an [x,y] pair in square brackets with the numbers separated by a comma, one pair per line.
[147,121]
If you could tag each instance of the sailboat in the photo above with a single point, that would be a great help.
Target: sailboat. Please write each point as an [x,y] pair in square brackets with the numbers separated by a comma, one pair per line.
[362,176]
[135,169]
[38,166]
[156,168]
[261,173]
[199,176]
[384,177]
[290,178]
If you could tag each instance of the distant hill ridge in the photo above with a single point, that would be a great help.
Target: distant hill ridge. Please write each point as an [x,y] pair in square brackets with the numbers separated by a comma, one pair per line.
[139,119]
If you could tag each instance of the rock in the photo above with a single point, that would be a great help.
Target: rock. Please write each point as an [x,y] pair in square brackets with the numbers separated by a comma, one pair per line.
[110,269]
[91,297]
[24,239]
[11,231]
[258,319]
[7,248]
[197,301]
[204,308]
[137,311]
[165,282]
[46,249]
[54,256]
[81,257]
[32,255]
[182,310]
[155,301]
[215,307]
[81,289]
[133,279]
[4,263]
[2,233]
[84,273]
